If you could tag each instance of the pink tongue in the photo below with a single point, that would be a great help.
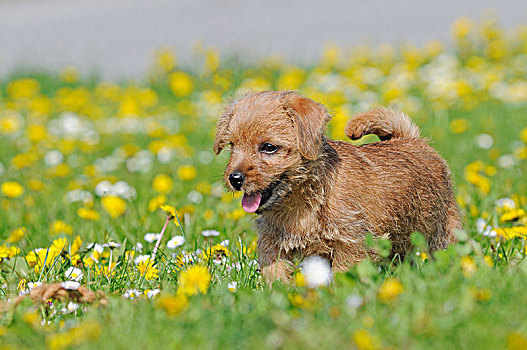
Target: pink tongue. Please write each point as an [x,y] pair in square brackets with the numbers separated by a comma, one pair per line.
[250,203]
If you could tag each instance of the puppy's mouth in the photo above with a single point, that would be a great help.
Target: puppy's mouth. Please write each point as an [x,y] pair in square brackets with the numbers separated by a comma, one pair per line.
[252,202]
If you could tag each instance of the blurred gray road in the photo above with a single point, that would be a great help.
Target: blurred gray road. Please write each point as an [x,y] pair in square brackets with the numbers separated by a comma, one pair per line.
[117,37]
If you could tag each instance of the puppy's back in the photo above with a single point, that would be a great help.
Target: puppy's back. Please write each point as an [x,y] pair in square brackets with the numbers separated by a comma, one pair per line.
[404,186]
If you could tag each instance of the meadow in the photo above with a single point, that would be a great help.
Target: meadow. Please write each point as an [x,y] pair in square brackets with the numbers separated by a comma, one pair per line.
[92,171]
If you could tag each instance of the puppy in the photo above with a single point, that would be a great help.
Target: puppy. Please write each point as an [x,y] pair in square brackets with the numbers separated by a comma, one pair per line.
[316,196]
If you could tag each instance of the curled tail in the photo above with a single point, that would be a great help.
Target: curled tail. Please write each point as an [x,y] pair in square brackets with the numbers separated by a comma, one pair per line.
[383,122]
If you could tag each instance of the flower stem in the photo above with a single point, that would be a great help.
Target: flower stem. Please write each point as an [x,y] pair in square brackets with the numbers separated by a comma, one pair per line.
[154,252]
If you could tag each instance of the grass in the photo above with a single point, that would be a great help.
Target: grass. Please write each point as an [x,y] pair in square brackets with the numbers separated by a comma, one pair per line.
[86,165]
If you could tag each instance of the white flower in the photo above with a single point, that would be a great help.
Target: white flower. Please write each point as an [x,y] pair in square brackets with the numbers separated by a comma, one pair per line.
[484,228]
[188,257]
[53,158]
[138,247]
[72,307]
[175,242]
[210,233]
[225,243]
[317,271]
[70,285]
[150,293]
[232,286]
[111,245]
[354,301]
[151,237]
[484,141]
[79,195]
[123,190]
[506,203]
[74,274]
[195,197]
[141,258]
[96,246]
[103,188]
[132,294]
[506,161]
[32,285]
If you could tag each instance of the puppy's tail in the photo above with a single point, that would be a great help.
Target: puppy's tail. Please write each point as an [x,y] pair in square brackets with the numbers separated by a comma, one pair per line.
[383,122]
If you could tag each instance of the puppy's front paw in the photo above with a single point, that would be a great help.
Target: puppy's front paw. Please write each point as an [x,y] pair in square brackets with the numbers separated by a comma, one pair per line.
[278,271]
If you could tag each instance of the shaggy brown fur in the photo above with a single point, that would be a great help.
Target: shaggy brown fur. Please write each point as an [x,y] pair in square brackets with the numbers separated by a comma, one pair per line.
[324,196]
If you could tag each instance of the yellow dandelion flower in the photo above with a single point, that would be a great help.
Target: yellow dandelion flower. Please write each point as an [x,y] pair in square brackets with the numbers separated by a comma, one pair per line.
[8,252]
[76,245]
[216,252]
[462,27]
[12,189]
[16,235]
[23,160]
[297,300]
[390,290]
[512,215]
[187,172]
[300,280]
[23,88]
[22,285]
[180,83]
[69,75]
[35,185]
[88,214]
[364,340]
[36,133]
[516,341]
[523,135]
[166,59]
[511,232]
[172,304]
[208,214]
[237,214]
[481,294]
[170,210]
[105,270]
[162,183]
[114,206]
[156,202]
[59,245]
[459,126]
[148,270]
[59,226]
[194,280]
[38,258]
[468,266]
[488,260]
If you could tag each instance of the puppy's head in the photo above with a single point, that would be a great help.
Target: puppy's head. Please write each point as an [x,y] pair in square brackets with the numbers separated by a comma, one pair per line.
[271,135]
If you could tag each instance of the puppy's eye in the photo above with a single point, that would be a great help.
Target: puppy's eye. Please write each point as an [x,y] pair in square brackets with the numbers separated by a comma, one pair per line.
[268,148]
[231,144]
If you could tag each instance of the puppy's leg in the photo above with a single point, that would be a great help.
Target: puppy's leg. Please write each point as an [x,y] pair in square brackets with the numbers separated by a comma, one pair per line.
[346,254]
[453,224]
[275,265]
[279,270]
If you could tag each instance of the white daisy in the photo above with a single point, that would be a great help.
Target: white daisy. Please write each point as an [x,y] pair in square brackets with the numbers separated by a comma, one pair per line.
[232,286]
[74,274]
[210,233]
[152,237]
[317,271]
[175,242]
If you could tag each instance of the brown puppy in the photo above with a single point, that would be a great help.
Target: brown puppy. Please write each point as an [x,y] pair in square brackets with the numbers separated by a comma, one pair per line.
[316,196]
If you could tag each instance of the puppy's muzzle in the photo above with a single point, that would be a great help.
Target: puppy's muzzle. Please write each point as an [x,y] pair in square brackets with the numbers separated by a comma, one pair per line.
[237,179]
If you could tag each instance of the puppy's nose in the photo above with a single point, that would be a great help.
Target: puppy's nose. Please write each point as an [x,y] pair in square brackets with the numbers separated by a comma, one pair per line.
[236,179]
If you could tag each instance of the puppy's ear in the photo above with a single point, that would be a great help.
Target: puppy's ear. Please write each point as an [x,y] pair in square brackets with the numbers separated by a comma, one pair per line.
[222,127]
[309,119]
